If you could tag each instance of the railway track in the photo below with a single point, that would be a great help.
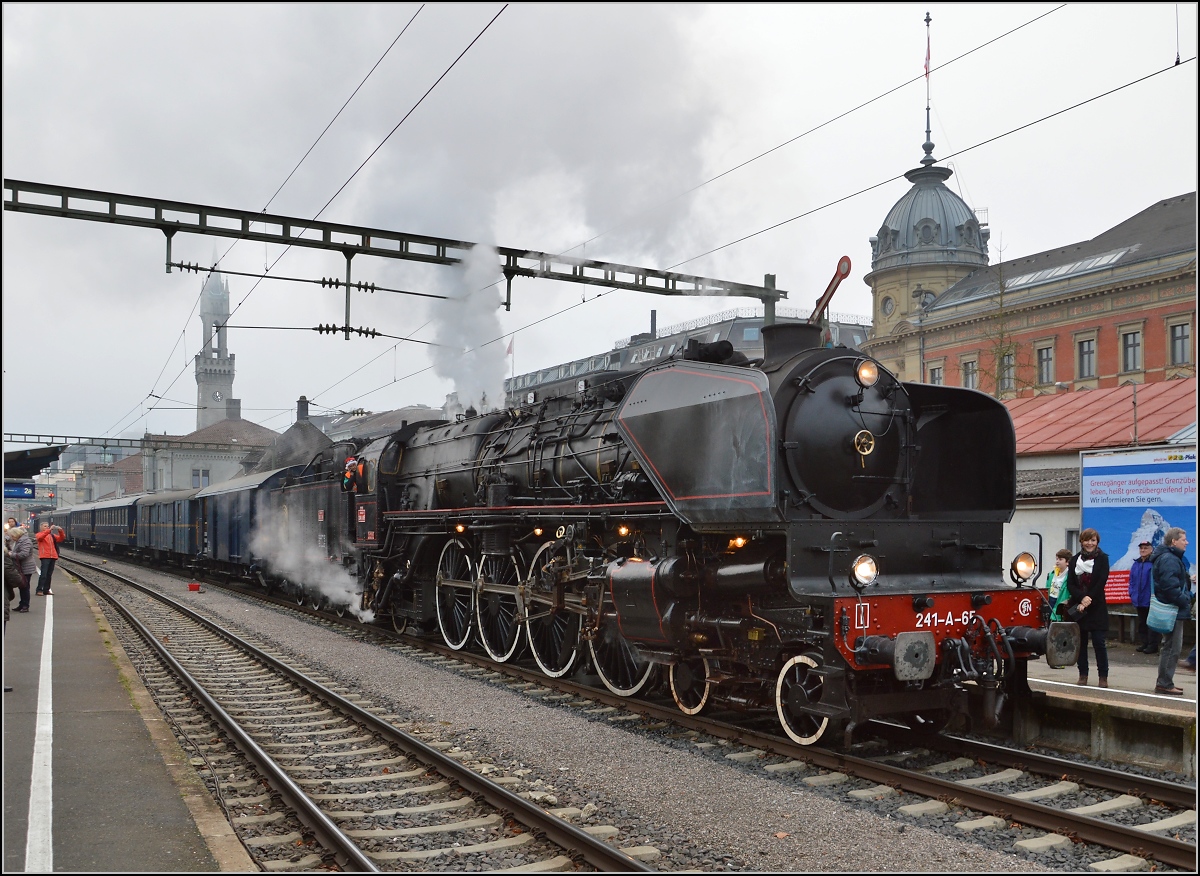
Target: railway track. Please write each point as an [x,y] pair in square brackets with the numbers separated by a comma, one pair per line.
[309,776]
[1055,800]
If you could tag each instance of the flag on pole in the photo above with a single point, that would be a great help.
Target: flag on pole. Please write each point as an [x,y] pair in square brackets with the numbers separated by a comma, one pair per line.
[508,352]
[926,52]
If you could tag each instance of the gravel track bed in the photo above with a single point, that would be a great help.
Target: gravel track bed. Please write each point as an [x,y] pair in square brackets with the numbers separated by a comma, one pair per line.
[700,809]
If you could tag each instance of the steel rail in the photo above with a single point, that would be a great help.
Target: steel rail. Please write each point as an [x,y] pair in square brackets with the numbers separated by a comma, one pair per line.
[1084,828]
[595,851]
[348,854]
[1048,765]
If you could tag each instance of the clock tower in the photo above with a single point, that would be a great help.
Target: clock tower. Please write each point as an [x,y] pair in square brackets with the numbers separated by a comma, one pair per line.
[214,363]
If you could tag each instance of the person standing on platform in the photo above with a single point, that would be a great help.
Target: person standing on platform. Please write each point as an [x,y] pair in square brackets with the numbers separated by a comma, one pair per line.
[48,540]
[1172,585]
[23,556]
[1087,574]
[1056,584]
[12,579]
[1141,585]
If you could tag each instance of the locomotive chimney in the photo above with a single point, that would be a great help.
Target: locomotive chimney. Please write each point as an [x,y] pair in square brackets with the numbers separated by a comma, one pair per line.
[785,339]
[302,409]
[653,324]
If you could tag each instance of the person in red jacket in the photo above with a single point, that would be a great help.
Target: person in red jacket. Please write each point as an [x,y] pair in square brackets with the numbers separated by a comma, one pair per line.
[48,540]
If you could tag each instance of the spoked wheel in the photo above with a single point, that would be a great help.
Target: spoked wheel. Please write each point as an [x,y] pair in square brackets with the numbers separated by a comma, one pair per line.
[316,601]
[339,608]
[552,632]
[496,610]
[799,687]
[295,591]
[399,621]
[690,687]
[455,594]
[619,664]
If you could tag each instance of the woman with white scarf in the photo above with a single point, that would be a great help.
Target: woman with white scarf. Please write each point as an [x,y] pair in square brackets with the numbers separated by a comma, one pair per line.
[1086,576]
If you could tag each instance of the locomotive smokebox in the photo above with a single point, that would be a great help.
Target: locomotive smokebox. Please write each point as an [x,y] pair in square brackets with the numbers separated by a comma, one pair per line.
[782,341]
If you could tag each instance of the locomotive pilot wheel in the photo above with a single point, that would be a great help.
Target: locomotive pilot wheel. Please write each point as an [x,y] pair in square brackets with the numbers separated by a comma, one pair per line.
[619,664]
[552,631]
[496,612]
[797,688]
[690,687]
[455,594]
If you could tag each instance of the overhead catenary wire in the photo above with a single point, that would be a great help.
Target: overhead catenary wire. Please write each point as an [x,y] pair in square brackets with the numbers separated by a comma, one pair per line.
[941,161]
[675,197]
[805,214]
[272,198]
[361,166]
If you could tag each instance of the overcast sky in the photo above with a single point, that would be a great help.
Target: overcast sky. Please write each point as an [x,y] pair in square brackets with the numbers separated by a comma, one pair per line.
[561,123]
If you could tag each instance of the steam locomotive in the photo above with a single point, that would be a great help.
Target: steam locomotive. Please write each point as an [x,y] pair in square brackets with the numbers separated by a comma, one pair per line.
[802,533]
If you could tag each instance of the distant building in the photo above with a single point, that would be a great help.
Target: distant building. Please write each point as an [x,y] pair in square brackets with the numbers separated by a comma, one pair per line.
[214,363]
[167,468]
[742,327]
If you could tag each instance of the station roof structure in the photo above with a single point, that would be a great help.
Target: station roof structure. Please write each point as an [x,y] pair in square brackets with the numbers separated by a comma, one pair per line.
[1095,419]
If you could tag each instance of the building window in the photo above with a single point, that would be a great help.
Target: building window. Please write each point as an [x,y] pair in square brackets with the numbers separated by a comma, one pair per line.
[1131,351]
[204,477]
[1086,362]
[1181,343]
[195,479]
[935,376]
[1073,540]
[1045,366]
[1008,373]
[970,374]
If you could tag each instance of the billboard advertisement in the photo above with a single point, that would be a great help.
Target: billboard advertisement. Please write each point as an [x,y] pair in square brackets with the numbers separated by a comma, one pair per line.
[1136,495]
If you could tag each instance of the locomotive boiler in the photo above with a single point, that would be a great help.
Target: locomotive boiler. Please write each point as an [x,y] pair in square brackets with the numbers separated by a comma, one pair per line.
[803,532]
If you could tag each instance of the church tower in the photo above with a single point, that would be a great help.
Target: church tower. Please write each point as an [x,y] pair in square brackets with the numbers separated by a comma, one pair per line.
[214,363]
[929,241]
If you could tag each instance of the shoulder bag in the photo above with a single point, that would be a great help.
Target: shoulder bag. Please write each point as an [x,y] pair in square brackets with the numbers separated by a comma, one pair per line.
[1162,616]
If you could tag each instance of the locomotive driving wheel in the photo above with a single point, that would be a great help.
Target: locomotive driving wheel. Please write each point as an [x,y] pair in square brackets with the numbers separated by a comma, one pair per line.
[690,687]
[551,630]
[618,663]
[496,609]
[797,690]
[455,594]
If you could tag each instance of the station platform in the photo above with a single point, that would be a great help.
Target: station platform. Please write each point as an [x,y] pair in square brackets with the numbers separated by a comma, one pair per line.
[94,780]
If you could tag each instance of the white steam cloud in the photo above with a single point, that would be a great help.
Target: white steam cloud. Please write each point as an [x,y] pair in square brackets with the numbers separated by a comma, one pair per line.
[472,353]
[280,542]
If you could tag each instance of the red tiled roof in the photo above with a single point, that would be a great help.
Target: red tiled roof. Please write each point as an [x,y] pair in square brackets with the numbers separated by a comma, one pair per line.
[1097,418]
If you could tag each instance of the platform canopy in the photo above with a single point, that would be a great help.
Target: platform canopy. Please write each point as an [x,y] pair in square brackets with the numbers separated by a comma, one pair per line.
[27,463]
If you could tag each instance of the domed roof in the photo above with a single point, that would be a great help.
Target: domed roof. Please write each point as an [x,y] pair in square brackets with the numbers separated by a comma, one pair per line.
[929,225]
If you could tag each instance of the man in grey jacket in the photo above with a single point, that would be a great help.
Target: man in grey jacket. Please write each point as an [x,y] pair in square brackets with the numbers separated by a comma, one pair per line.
[1172,585]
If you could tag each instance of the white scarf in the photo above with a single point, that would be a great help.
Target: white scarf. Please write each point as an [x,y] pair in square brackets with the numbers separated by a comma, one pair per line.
[1083,566]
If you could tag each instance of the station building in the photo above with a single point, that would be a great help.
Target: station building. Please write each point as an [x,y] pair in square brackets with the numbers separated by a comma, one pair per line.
[1117,309]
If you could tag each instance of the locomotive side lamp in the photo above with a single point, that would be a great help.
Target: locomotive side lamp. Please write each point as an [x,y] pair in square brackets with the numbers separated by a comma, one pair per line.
[623,530]
[460,528]
[537,531]
[866,373]
[864,570]
[1023,568]
[737,542]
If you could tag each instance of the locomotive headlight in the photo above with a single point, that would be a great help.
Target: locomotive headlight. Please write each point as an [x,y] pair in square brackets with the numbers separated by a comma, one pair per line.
[864,570]
[737,542]
[622,530]
[460,528]
[866,373]
[538,532]
[1023,567]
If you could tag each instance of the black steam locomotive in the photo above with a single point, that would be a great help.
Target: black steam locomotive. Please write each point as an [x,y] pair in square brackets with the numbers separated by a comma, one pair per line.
[801,532]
